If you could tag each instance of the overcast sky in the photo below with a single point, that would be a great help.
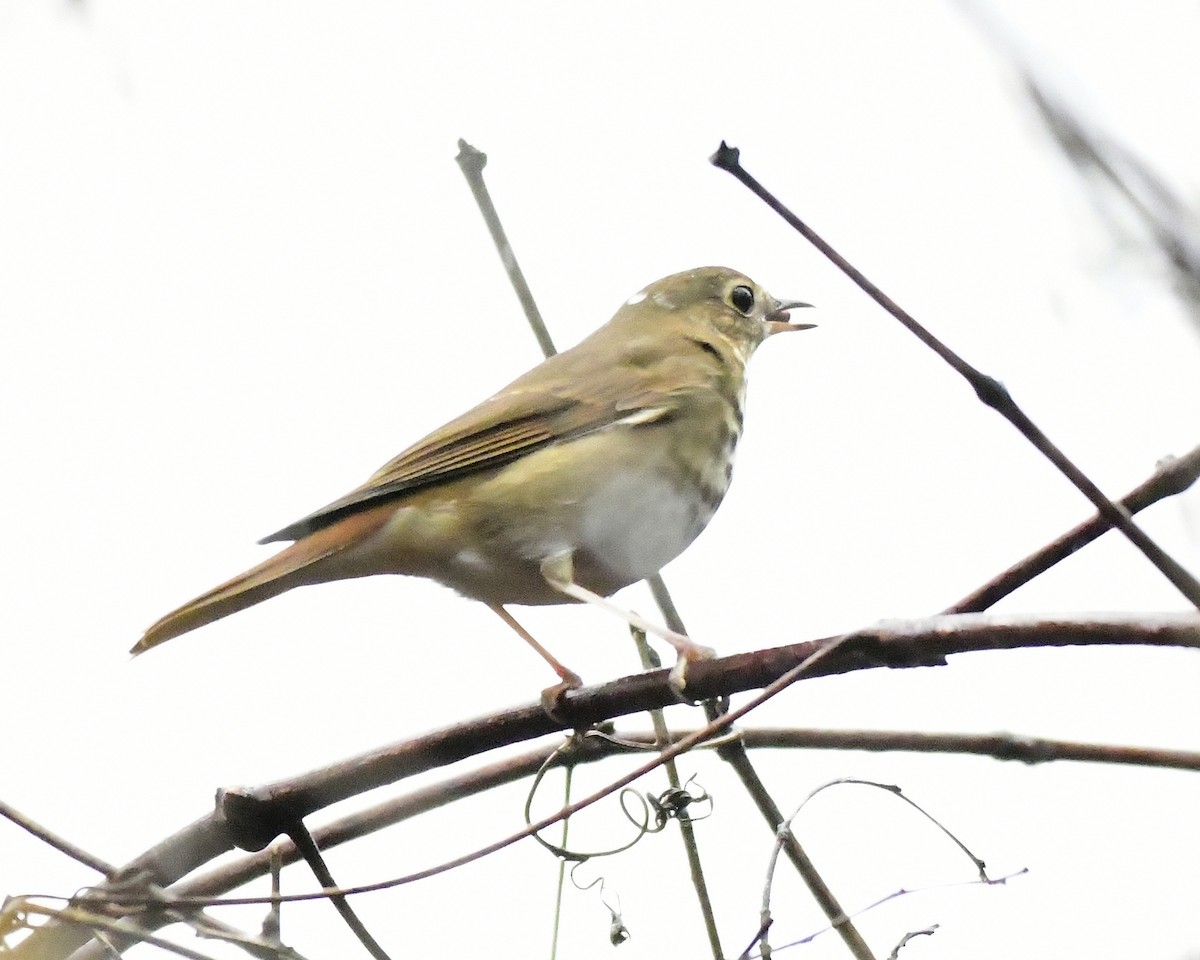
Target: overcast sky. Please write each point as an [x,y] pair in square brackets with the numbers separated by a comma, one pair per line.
[239,270]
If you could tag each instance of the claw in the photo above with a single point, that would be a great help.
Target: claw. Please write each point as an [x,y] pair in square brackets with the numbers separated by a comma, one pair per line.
[689,652]
[552,697]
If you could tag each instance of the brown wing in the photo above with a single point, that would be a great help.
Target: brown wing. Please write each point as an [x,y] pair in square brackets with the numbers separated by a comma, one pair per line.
[520,419]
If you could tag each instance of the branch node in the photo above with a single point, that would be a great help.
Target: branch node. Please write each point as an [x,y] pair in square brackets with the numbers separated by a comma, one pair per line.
[726,158]
[253,821]
[469,158]
[991,391]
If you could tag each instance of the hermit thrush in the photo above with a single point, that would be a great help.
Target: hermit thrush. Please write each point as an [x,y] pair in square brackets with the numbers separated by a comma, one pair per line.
[590,472]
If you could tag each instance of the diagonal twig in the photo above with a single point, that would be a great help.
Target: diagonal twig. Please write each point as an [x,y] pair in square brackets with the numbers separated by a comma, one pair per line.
[472,162]
[989,390]
[60,844]
[838,918]
[1172,477]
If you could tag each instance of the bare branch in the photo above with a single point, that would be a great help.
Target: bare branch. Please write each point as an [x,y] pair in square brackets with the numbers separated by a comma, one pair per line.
[897,644]
[60,844]
[1173,476]
[1001,746]
[989,390]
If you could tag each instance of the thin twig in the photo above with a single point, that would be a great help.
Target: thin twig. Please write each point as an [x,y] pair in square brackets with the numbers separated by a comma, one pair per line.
[472,162]
[122,928]
[562,863]
[989,390]
[302,840]
[272,925]
[1000,746]
[265,947]
[1173,476]
[114,935]
[929,931]
[60,844]
[785,832]
[687,831]
[909,891]
[734,753]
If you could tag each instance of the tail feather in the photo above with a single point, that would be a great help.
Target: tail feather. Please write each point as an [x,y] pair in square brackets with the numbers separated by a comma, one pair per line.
[292,567]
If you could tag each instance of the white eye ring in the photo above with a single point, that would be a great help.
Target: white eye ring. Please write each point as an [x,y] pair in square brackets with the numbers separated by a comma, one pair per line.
[742,298]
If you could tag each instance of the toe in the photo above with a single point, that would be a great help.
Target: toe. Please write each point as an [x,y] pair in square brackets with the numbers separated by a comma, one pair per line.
[677,680]
[552,697]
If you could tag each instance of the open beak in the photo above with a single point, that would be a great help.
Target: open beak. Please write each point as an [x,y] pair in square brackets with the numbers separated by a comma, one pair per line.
[779,321]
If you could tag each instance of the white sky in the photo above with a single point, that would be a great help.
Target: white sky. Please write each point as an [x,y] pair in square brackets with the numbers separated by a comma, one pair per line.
[239,270]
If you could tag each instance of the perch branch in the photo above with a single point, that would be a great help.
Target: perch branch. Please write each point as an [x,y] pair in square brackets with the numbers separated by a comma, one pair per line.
[896,644]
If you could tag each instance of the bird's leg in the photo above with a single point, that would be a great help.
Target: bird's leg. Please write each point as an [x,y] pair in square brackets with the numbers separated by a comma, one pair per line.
[569,679]
[559,571]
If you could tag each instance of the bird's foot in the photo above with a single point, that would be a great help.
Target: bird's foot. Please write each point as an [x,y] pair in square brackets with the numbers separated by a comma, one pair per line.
[688,652]
[552,697]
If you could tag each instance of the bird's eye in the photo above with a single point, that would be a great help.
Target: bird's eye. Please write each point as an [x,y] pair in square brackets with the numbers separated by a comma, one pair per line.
[743,299]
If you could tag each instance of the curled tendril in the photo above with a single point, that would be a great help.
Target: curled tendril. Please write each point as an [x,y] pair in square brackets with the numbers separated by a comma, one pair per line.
[618,933]
[674,803]
[651,813]
[785,829]
[561,755]
[635,746]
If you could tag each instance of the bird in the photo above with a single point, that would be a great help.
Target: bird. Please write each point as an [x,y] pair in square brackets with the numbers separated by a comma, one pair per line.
[589,472]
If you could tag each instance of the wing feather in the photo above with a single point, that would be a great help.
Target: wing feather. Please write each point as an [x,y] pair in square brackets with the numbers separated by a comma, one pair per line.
[565,398]
[474,443]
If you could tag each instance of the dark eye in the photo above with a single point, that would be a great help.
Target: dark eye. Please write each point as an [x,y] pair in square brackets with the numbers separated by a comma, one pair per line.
[743,299]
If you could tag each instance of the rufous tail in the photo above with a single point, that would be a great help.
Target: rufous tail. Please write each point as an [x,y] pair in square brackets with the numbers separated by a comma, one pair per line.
[292,567]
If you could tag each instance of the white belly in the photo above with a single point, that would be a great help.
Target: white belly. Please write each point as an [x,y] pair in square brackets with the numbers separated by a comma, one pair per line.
[619,524]
[635,524]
